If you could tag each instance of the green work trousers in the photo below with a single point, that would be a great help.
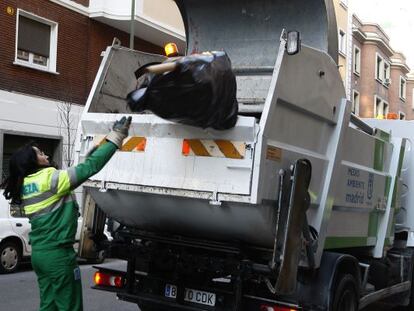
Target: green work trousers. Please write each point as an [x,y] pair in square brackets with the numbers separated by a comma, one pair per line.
[59,279]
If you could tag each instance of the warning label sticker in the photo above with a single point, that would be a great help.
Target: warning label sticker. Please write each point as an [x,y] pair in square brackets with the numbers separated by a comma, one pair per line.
[274,153]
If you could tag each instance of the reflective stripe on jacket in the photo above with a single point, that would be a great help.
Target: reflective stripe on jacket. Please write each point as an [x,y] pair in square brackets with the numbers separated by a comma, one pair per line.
[47,190]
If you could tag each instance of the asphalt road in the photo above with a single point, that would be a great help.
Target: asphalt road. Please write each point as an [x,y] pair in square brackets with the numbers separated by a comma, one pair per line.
[19,291]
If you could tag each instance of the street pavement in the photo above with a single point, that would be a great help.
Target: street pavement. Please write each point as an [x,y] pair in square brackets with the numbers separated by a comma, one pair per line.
[19,291]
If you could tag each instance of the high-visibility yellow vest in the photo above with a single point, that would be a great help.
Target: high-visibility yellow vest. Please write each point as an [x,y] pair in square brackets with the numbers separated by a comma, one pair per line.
[49,203]
[46,190]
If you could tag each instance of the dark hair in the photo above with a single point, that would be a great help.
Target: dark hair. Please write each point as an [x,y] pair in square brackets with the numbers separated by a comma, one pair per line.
[23,162]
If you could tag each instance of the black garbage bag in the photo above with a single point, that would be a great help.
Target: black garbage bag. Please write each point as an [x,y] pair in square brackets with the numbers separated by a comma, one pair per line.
[200,91]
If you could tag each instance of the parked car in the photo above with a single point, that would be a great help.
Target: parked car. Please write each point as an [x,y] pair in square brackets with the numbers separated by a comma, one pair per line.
[14,236]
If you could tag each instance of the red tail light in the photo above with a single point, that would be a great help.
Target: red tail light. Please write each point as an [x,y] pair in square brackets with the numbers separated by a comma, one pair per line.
[276,308]
[106,279]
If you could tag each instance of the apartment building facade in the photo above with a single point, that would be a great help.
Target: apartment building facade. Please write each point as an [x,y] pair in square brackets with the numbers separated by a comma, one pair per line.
[51,51]
[380,79]
[342,16]
[410,96]
[398,87]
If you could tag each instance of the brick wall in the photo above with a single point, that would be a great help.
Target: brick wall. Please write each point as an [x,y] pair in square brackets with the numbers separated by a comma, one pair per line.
[367,81]
[410,100]
[396,104]
[80,42]
[369,85]
[83,2]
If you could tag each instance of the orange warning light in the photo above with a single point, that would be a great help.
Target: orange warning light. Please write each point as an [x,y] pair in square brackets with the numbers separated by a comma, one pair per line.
[171,49]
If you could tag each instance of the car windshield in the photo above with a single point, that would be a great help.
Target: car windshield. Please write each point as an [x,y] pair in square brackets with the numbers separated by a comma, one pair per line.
[16,211]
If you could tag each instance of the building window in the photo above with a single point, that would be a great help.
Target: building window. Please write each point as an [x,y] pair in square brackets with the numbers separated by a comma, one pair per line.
[357,60]
[355,103]
[381,108]
[342,41]
[386,74]
[401,115]
[36,42]
[403,88]
[379,67]
[382,70]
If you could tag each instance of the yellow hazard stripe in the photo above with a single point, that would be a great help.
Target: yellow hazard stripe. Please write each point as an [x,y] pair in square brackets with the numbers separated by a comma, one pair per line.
[228,149]
[197,147]
[130,144]
[213,148]
[134,144]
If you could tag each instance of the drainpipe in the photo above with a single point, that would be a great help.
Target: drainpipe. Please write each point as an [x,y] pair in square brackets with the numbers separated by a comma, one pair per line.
[131,26]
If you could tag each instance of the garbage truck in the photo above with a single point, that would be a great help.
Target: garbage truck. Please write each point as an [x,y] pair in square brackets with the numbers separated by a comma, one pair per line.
[300,206]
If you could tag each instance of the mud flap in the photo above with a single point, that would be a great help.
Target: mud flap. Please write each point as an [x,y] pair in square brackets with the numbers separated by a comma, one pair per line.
[93,225]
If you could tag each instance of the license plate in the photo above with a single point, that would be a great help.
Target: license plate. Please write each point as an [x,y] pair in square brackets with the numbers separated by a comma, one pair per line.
[170,291]
[191,295]
[200,297]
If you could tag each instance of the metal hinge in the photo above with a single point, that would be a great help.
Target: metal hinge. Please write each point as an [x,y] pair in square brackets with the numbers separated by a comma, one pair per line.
[215,201]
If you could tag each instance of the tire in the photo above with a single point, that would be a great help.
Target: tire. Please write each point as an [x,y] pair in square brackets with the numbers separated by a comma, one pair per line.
[10,257]
[345,295]
[411,303]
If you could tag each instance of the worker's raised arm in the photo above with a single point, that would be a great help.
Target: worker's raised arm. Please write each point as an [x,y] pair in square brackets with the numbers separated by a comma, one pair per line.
[65,180]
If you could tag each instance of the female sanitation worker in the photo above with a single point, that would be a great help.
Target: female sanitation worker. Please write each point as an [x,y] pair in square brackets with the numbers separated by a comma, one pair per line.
[48,201]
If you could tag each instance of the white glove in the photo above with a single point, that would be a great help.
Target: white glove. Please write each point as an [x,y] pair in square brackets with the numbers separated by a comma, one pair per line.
[119,131]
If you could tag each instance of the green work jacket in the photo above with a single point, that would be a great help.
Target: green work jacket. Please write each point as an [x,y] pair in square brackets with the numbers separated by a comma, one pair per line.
[50,204]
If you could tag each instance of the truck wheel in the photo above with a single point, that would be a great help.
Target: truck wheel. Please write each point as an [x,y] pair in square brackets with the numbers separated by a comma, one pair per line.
[411,304]
[10,256]
[345,296]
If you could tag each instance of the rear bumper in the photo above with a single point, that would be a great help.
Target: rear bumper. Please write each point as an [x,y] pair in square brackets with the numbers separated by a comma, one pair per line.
[148,291]
[155,301]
